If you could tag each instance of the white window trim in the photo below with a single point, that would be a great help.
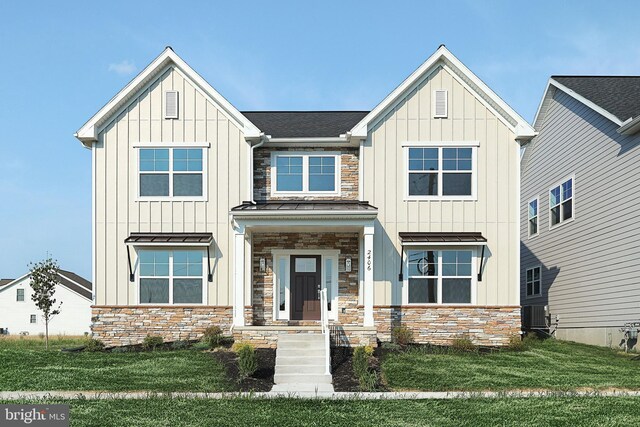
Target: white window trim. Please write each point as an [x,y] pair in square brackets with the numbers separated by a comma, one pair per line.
[533,295]
[278,254]
[205,282]
[170,147]
[305,173]
[440,146]
[529,235]
[474,275]
[573,202]
[35,316]
[23,295]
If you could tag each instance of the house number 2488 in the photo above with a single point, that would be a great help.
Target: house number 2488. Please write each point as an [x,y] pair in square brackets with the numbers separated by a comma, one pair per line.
[369,260]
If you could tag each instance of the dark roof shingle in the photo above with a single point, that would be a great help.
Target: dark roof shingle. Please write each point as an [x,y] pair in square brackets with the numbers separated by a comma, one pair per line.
[619,95]
[305,124]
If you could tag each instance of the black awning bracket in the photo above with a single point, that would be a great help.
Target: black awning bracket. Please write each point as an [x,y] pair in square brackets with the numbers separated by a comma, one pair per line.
[132,276]
[481,269]
[209,271]
[401,276]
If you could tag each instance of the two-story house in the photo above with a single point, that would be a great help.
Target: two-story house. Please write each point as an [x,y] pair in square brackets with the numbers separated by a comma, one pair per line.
[580,271]
[405,215]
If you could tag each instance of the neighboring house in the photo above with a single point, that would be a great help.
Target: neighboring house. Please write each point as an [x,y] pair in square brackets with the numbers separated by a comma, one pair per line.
[579,253]
[407,215]
[19,314]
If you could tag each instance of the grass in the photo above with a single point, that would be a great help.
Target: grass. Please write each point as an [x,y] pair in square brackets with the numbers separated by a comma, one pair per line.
[557,411]
[27,366]
[31,342]
[548,364]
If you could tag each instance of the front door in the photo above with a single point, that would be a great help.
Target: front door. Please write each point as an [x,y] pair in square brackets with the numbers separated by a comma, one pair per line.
[305,287]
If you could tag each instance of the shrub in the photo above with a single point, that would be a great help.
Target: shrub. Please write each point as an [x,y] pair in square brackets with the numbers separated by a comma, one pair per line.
[180,345]
[463,343]
[368,381]
[247,360]
[360,362]
[200,346]
[151,342]
[213,336]
[391,346]
[516,343]
[402,335]
[92,344]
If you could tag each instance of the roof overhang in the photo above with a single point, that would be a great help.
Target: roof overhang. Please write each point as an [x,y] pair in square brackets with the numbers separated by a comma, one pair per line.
[552,86]
[304,210]
[630,127]
[169,239]
[88,133]
[338,141]
[444,58]
[442,239]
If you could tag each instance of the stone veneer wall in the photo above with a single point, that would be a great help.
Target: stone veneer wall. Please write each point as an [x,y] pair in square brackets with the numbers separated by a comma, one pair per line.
[486,325]
[262,295]
[348,173]
[268,337]
[125,325]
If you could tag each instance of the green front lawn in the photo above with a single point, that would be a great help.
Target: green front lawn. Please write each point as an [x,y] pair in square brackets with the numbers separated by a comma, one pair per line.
[548,364]
[561,411]
[25,365]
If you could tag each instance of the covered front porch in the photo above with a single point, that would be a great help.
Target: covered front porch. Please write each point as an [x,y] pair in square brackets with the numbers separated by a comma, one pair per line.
[287,253]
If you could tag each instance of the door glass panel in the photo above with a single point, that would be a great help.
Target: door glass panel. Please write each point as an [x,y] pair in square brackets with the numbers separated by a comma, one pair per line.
[282,287]
[329,281]
[305,265]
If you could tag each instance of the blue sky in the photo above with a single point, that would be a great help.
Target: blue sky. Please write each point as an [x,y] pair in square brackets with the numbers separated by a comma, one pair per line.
[61,61]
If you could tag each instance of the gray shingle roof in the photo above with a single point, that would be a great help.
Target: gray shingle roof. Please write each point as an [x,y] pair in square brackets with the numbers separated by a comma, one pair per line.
[305,124]
[5,281]
[79,284]
[619,95]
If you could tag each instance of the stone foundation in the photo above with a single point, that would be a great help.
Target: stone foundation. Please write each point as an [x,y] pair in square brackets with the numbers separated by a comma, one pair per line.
[485,325]
[119,325]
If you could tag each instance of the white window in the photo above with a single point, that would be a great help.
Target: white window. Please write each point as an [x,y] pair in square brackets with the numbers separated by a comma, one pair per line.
[172,277]
[533,281]
[33,318]
[533,217]
[20,294]
[315,173]
[561,203]
[441,172]
[439,277]
[171,172]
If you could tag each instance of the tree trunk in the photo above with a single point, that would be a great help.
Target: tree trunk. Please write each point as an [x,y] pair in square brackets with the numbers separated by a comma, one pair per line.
[46,333]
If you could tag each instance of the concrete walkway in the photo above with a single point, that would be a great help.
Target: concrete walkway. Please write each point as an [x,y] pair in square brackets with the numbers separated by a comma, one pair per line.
[93,395]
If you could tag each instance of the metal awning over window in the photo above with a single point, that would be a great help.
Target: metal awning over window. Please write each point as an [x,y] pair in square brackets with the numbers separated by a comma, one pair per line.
[444,239]
[169,239]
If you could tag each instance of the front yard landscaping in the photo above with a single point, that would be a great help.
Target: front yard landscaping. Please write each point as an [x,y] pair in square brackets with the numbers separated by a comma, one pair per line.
[556,411]
[545,364]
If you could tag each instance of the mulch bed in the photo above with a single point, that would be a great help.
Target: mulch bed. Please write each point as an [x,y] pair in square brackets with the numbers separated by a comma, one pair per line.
[261,380]
[344,378]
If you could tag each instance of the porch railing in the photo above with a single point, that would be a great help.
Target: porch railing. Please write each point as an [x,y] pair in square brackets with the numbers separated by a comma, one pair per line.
[324,321]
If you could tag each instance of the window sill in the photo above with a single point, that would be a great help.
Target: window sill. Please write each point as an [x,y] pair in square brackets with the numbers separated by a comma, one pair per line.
[440,198]
[560,224]
[304,193]
[532,236]
[171,199]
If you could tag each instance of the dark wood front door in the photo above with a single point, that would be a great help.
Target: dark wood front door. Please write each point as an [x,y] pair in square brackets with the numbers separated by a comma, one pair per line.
[305,287]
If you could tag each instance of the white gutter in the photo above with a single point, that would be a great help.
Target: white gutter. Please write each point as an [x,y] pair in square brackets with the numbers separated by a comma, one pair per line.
[630,127]
[263,139]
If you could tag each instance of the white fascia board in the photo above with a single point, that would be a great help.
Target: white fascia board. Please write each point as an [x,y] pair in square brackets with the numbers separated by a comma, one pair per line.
[14,282]
[443,56]
[546,98]
[88,133]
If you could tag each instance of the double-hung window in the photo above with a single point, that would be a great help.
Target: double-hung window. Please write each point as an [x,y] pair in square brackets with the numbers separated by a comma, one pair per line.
[439,277]
[313,173]
[533,281]
[171,172]
[441,172]
[533,217]
[172,277]
[20,295]
[561,203]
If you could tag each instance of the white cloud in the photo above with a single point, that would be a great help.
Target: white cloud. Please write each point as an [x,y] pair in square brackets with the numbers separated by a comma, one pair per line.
[124,68]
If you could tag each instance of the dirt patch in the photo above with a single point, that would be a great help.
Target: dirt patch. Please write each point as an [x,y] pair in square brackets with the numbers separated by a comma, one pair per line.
[261,380]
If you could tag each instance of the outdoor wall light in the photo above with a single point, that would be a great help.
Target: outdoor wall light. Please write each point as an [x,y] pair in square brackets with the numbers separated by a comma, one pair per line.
[347,264]
[263,264]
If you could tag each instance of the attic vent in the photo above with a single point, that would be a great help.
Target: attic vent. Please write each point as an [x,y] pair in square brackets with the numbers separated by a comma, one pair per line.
[171,104]
[440,103]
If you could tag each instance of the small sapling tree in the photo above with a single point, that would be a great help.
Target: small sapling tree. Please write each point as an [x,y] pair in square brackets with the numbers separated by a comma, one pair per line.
[44,278]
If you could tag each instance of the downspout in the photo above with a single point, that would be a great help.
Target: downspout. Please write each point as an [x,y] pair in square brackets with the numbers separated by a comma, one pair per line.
[263,139]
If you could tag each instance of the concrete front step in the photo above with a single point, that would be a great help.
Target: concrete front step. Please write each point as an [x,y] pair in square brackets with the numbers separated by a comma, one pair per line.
[297,361]
[300,337]
[313,345]
[300,369]
[302,379]
[303,388]
[299,352]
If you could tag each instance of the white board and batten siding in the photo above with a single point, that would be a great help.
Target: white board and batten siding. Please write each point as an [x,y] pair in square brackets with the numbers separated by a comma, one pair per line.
[494,213]
[590,268]
[119,212]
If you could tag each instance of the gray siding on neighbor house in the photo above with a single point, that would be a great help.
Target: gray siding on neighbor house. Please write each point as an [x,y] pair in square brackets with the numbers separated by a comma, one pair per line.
[590,266]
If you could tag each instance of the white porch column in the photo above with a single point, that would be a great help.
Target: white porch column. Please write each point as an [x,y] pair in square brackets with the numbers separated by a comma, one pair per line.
[238,276]
[368,275]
